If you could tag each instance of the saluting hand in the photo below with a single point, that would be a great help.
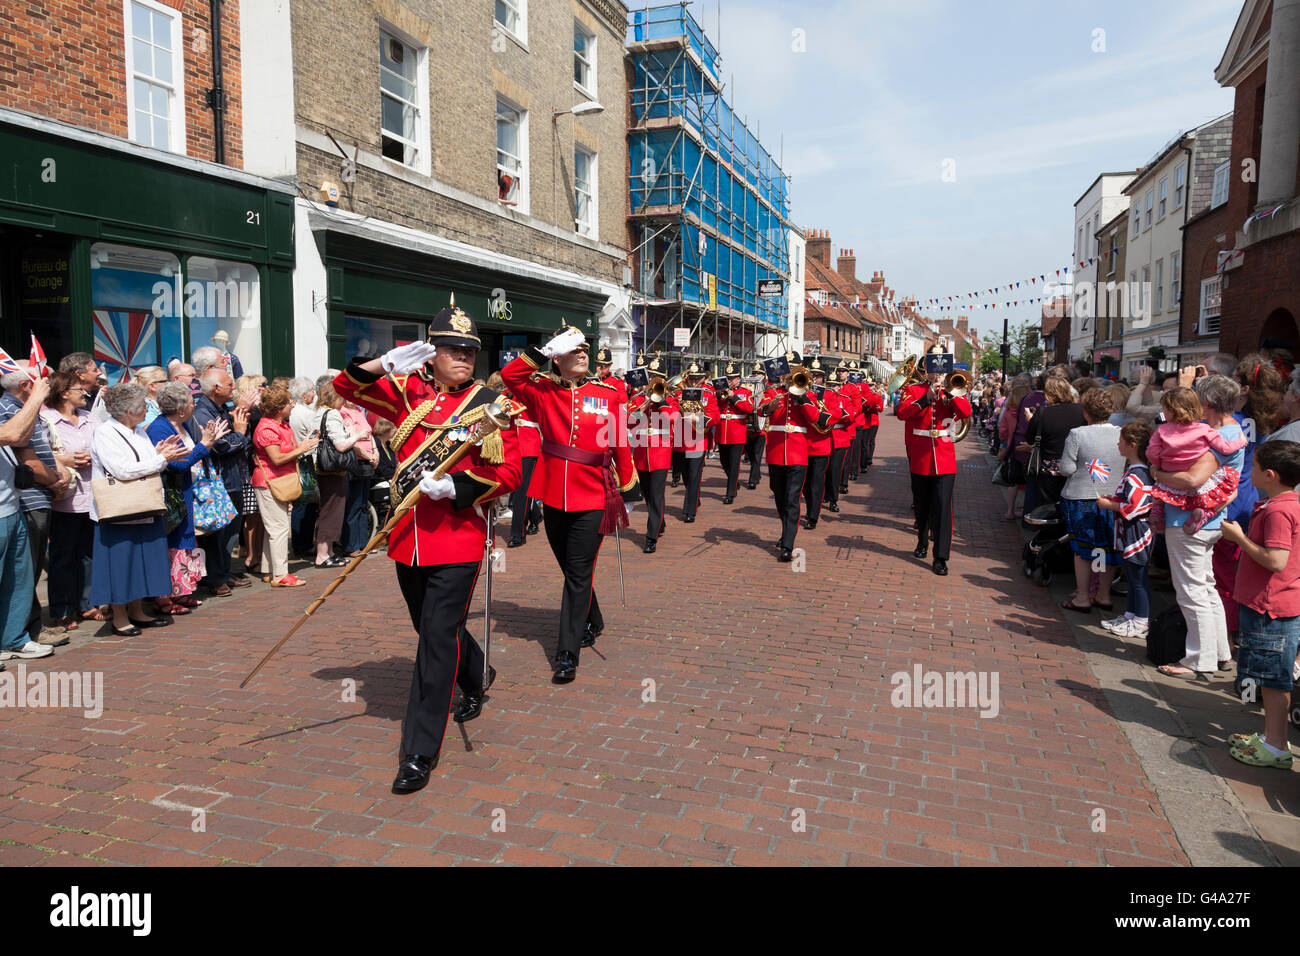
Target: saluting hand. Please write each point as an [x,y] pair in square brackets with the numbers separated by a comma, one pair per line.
[407,358]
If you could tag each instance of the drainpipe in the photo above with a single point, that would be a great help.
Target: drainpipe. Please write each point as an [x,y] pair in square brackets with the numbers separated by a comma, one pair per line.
[216,100]
[1182,254]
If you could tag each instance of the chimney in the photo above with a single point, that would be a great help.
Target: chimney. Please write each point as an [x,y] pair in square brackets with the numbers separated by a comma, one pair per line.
[962,323]
[819,246]
[847,265]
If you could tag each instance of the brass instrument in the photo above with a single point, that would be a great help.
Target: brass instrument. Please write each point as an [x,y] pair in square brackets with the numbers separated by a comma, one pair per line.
[799,381]
[958,383]
[657,390]
[908,374]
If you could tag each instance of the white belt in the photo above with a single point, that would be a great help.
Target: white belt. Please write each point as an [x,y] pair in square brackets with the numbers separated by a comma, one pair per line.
[793,429]
[657,431]
[932,432]
[733,418]
[837,427]
[528,424]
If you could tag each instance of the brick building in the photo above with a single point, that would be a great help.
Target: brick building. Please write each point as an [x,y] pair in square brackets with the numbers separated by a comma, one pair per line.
[1260,294]
[446,149]
[128,225]
[1056,331]
[1111,303]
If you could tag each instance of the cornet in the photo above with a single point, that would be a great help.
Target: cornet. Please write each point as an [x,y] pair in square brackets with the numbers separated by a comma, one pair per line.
[799,382]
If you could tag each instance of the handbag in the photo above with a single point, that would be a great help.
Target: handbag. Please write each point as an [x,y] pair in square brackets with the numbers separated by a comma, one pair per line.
[1035,466]
[213,509]
[329,460]
[173,500]
[310,490]
[129,499]
[1001,473]
[286,489]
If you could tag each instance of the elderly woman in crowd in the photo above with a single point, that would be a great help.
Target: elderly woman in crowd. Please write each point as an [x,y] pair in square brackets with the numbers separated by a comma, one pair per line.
[1119,396]
[1093,465]
[72,533]
[130,557]
[333,485]
[176,404]
[355,518]
[276,453]
[248,391]
[150,377]
[1050,426]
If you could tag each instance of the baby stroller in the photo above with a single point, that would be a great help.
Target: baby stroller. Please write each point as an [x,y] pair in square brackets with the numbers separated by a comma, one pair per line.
[1048,551]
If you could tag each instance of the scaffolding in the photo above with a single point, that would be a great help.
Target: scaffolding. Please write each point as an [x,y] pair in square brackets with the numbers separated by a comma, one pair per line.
[709,209]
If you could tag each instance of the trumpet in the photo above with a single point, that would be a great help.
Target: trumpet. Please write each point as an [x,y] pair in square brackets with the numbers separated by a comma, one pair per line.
[799,382]
[657,390]
[958,383]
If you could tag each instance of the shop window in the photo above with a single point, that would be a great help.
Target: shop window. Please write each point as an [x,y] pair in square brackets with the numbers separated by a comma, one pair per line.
[136,301]
[155,76]
[37,271]
[225,297]
[370,338]
[403,100]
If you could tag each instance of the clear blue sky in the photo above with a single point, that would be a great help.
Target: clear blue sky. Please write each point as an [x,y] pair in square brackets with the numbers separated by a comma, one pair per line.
[1010,90]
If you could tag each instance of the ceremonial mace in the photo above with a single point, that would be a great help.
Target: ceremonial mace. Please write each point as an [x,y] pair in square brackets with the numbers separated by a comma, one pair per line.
[494,417]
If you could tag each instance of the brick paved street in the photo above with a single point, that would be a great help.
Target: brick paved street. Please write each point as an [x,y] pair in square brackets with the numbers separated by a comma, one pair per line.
[770,738]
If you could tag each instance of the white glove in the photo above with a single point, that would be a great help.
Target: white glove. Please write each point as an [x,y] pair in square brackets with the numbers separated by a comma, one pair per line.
[407,358]
[562,344]
[438,488]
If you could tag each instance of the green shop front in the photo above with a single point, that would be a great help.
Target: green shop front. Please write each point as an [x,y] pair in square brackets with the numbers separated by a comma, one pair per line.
[382,293]
[138,256]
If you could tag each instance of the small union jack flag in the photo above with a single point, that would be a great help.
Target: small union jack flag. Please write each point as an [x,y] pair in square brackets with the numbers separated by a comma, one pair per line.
[7,364]
[1098,470]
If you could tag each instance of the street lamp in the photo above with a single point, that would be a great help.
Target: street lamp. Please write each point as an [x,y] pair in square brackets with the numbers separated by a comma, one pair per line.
[590,108]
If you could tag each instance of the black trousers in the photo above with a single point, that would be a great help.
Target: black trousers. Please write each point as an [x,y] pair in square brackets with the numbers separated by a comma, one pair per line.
[652,485]
[575,539]
[216,552]
[38,536]
[679,465]
[834,475]
[72,542]
[868,445]
[786,482]
[814,486]
[932,498]
[520,503]
[438,597]
[730,455]
[694,472]
[854,457]
[754,449]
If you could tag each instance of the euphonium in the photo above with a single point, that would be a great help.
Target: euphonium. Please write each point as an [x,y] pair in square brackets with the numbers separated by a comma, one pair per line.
[907,374]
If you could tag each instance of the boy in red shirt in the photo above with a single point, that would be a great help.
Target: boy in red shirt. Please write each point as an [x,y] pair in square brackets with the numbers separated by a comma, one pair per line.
[1268,589]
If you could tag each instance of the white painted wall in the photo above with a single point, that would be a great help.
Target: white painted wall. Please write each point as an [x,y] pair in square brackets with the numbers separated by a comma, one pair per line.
[310,348]
[266,62]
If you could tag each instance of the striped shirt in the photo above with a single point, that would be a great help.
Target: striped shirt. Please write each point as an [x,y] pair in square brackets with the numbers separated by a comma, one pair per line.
[38,496]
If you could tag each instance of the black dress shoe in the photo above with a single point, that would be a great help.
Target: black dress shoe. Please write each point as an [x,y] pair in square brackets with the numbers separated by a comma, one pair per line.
[649,548]
[471,705]
[531,529]
[152,622]
[689,519]
[833,507]
[785,555]
[413,772]
[566,667]
[515,543]
[676,482]
[922,550]
[844,489]
[125,631]
[810,523]
[940,567]
[727,501]
[590,634]
[751,485]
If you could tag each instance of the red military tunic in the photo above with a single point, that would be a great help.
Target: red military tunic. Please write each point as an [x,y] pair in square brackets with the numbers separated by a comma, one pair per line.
[787,428]
[842,431]
[733,412]
[851,399]
[928,430]
[692,431]
[615,382]
[587,416]
[530,434]
[820,433]
[873,405]
[651,425]
[435,532]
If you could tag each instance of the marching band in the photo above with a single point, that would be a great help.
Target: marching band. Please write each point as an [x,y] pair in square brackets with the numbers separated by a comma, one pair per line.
[588,446]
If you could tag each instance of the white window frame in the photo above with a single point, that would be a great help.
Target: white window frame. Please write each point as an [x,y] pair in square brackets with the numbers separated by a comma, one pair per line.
[520,10]
[1159,287]
[420,144]
[1078,246]
[1114,251]
[523,183]
[1162,205]
[586,89]
[1096,239]
[1137,219]
[1175,294]
[1150,207]
[1180,185]
[1211,305]
[590,229]
[176,94]
[1221,178]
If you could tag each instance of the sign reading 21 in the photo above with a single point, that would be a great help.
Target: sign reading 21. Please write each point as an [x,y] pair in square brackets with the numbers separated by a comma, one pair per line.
[499,306]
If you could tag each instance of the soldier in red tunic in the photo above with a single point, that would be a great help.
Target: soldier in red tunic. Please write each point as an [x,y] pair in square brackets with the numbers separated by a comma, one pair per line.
[873,405]
[604,366]
[584,433]
[697,417]
[651,419]
[428,391]
[755,438]
[930,416]
[820,443]
[735,405]
[790,413]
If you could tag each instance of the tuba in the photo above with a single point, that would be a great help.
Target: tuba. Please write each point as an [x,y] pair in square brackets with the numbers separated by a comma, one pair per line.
[907,374]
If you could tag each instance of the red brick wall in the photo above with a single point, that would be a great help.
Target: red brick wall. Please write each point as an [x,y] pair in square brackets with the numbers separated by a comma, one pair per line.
[66,60]
[1265,282]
